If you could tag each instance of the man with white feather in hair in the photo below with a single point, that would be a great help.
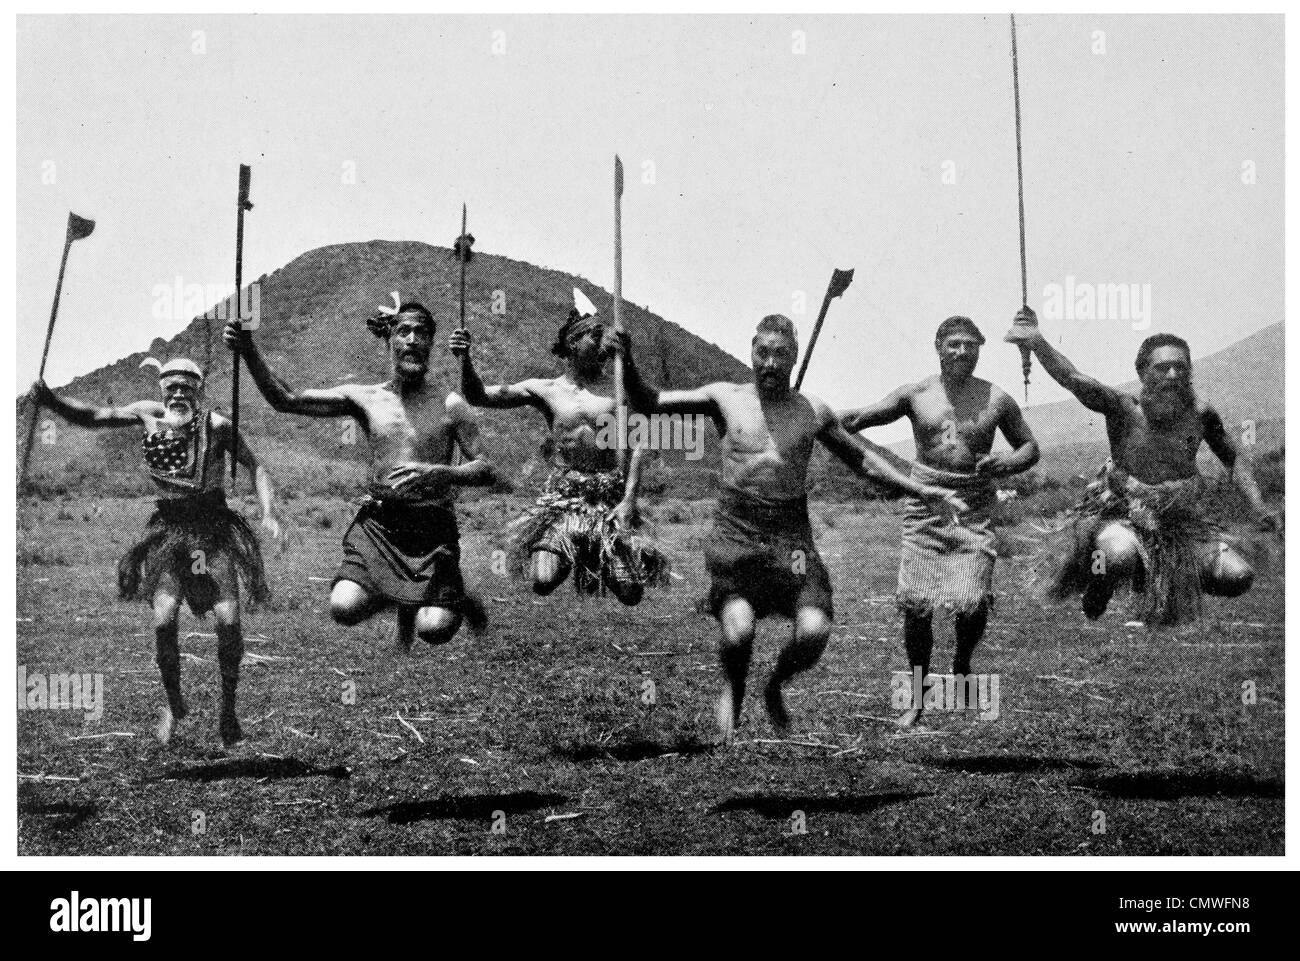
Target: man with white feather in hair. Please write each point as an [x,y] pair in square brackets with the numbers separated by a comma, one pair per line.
[402,549]
[585,519]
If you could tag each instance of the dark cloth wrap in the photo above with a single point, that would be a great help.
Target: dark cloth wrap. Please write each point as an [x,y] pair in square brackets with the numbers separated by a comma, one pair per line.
[763,551]
[405,550]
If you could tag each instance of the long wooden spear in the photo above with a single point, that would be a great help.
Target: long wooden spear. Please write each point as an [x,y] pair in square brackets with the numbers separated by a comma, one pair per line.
[840,280]
[1026,356]
[78,227]
[245,181]
[619,406]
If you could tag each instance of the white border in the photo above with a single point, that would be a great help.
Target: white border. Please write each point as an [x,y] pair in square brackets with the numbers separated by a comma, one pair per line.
[8,714]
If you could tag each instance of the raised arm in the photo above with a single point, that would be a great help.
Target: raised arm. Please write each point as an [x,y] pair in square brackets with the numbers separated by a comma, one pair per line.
[1092,393]
[313,402]
[864,458]
[886,411]
[500,396]
[1240,467]
[93,415]
[647,399]
[1024,449]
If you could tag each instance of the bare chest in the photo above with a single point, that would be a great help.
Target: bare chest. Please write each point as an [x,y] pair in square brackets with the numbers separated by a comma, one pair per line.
[943,420]
[414,426]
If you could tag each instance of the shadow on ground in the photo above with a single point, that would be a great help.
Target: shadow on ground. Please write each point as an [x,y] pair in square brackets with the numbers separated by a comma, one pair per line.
[1170,785]
[782,805]
[467,807]
[62,815]
[257,768]
[1010,763]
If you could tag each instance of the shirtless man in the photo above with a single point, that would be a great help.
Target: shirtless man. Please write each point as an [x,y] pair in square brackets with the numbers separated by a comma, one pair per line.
[1152,484]
[195,548]
[955,418]
[403,547]
[760,554]
[585,492]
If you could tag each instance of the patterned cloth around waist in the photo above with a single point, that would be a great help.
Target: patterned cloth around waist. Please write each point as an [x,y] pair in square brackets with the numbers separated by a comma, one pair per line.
[942,562]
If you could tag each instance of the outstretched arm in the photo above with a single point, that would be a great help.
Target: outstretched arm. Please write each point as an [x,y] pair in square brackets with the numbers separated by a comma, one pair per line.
[648,400]
[1091,392]
[863,458]
[886,411]
[93,415]
[500,396]
[1239,465]
[327,402]
[1024,449]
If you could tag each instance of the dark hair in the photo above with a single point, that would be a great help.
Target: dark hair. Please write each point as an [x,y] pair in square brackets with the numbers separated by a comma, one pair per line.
[777,324]
[958,323]
[571,325]
[381,325]
[1156,341]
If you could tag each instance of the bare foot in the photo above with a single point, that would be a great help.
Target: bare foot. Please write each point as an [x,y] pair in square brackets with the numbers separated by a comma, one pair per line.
[775,705]
[229,727]
[166,725]
[911,717]
[728,715]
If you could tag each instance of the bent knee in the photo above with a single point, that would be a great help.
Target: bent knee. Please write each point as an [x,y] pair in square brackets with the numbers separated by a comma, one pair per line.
[812,627]
[737,620]
[226,613]
[1225,573]
[436,625]
[165,611]
[349,604]
[1119,551]
[548,571]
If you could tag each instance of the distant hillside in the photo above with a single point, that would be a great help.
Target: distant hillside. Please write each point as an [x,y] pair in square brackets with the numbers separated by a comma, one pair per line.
[1244,381]
[313,333]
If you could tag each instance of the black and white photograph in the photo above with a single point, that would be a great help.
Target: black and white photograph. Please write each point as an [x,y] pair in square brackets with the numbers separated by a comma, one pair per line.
[728,436]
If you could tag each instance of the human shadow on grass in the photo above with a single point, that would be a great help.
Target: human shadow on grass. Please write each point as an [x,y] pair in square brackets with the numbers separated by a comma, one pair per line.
[465,807]
[1010,763]
[637,749]
[257,768]
[1171,785]
[62,815]
[781,806]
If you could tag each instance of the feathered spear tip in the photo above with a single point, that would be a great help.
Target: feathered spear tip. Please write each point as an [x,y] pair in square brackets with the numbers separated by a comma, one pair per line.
[462,248]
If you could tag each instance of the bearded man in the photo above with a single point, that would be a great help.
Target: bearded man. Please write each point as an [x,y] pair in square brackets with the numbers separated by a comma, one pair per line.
[760,555]
[403,547]
[195,549]
[1143,521]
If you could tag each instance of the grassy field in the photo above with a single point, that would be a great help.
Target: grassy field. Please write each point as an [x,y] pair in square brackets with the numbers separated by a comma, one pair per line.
[536,738]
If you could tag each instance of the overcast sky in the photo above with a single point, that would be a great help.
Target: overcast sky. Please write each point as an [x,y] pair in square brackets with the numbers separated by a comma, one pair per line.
[887,145]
